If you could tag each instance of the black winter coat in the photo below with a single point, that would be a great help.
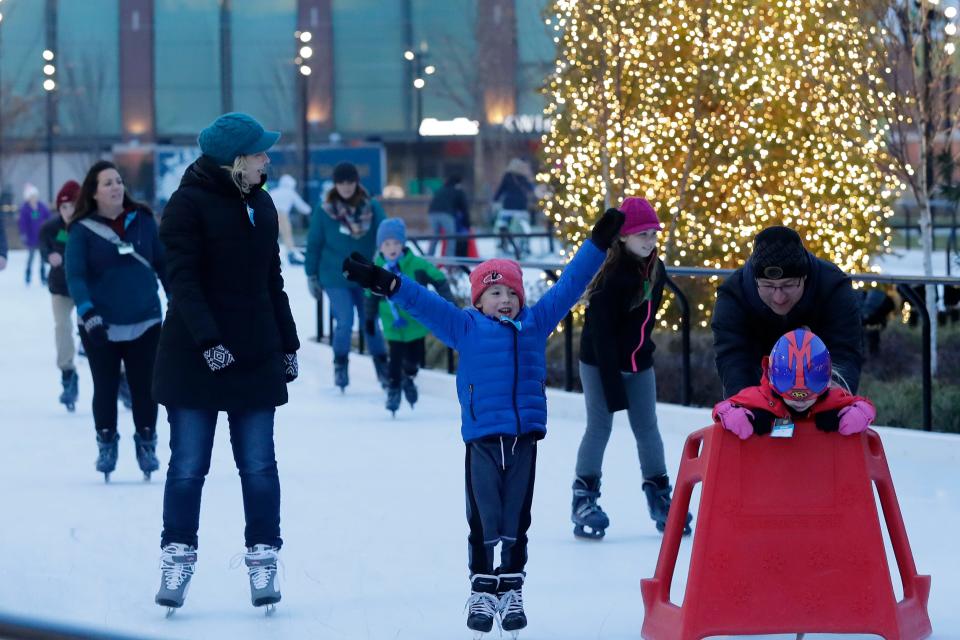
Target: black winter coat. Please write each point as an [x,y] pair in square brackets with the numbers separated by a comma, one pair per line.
[451,199]
[745,329]
[53,239]
[618,326]
[225,288]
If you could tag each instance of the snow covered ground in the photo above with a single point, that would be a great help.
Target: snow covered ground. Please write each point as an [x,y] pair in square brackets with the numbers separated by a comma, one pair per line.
[373,510]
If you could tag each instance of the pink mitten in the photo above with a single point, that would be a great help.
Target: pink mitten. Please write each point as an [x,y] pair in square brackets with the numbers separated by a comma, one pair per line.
[856,417]
[735,419]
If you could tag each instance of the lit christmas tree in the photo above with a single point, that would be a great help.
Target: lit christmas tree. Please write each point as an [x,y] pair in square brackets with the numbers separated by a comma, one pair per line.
[729,116]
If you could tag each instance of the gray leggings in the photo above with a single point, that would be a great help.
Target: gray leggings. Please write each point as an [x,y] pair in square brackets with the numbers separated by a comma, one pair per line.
[642,394]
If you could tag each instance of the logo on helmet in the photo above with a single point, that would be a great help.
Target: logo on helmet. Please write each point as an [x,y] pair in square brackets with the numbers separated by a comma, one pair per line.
[799,365]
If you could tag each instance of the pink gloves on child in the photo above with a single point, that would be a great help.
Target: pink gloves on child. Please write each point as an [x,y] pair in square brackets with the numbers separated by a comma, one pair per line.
[735,419]
[856,417]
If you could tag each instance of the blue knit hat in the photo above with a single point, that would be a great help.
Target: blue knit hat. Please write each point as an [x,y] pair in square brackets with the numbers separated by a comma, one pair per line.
[392,229]
[235,134]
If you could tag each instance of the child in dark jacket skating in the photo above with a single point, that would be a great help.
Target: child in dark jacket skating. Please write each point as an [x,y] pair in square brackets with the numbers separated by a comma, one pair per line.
[405,336]
[795,384]
[501,385]
[616,368]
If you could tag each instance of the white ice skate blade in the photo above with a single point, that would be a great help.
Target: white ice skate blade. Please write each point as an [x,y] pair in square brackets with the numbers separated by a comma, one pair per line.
[171,611]
[269,610]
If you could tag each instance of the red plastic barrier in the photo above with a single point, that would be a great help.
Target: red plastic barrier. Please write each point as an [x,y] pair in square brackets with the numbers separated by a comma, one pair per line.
[787,540]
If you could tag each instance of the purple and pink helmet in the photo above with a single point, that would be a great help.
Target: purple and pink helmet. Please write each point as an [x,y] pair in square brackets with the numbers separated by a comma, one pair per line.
[799,365]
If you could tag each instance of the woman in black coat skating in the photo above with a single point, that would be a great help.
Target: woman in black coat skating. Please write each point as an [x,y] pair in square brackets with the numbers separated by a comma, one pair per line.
[228,344]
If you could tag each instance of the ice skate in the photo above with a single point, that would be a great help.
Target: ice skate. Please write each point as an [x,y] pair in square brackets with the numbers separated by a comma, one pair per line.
[177,563]
[510,608]
[123,391]
[658,491]
[107,457]
[410,391]
[382,369]
[482,605]
[71,388]
[146,449]
[295,258]
[261,561]
[393,400]
[590,522]
[341,377]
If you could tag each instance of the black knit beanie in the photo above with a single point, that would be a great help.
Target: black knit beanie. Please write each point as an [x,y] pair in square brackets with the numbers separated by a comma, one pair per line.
[778,253]
[345,172]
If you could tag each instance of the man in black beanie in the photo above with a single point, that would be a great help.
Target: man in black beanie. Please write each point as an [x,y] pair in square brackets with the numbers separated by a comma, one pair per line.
[782,287]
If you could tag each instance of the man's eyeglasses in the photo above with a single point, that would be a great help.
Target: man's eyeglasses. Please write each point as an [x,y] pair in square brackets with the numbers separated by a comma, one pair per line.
[789,287]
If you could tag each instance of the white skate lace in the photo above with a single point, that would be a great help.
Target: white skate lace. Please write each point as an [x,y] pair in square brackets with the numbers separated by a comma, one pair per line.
[175,573]
[483,603]
[260,575]
[511,602]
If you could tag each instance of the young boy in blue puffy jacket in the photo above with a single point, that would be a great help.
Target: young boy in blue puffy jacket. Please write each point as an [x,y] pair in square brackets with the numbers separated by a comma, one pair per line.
[501,385]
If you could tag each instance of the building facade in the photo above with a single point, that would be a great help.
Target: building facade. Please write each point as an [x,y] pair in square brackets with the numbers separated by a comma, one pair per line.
[131,75]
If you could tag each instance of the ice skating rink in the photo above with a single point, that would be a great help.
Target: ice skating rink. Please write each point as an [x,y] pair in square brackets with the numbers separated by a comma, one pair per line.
[372,516]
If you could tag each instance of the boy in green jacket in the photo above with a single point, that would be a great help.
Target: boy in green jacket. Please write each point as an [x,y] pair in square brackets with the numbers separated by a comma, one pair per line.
[405,336]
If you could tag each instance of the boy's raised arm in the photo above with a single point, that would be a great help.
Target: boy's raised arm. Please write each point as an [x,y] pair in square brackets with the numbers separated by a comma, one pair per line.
[556,302]
[447,321]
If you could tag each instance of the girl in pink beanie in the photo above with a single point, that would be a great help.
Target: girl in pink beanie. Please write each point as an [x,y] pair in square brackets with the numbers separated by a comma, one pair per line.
[616,368]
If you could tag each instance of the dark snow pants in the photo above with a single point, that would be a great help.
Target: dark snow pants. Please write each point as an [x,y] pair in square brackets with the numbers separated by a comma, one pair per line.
[500,474]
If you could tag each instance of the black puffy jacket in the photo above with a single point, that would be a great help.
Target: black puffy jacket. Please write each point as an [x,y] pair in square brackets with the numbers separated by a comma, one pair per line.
[745,329]
[225,288]
[618,327]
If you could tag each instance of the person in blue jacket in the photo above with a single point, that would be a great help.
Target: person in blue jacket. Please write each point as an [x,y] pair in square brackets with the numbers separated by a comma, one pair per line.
[113,261]
[501,385]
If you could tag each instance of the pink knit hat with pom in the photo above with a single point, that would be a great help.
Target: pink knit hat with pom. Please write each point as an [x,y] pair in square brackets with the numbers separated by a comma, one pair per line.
[639,215]
[496,271]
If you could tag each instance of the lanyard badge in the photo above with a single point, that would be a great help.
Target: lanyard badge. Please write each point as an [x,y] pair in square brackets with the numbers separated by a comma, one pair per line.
[782,428]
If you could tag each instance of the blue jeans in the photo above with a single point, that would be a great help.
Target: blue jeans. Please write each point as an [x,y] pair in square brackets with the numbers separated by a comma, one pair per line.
[445,223]
[191,444]
[342,302]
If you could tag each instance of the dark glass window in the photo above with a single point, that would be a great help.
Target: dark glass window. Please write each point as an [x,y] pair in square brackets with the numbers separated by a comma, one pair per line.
[448,28]
[187,63]
[535,54]
[369,91]
[21,68]
[263,48]
[88,69]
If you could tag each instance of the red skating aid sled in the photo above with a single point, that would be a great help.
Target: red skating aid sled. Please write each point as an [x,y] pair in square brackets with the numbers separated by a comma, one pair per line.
[787,540]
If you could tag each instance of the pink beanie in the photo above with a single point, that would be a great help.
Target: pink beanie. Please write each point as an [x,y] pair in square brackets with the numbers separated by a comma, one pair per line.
[639,215]
[496,271]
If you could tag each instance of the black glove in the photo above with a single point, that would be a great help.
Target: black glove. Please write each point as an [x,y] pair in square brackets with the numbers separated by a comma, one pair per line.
[762,421]
[358,269]
[291,367]
[827,420]
[218,358]
[313,283]
[95,328]
[606,229]
[370,326]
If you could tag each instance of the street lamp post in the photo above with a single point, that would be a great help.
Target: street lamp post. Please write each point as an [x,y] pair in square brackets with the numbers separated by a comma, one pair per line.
[420,70]
[49,85]
[304,53]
